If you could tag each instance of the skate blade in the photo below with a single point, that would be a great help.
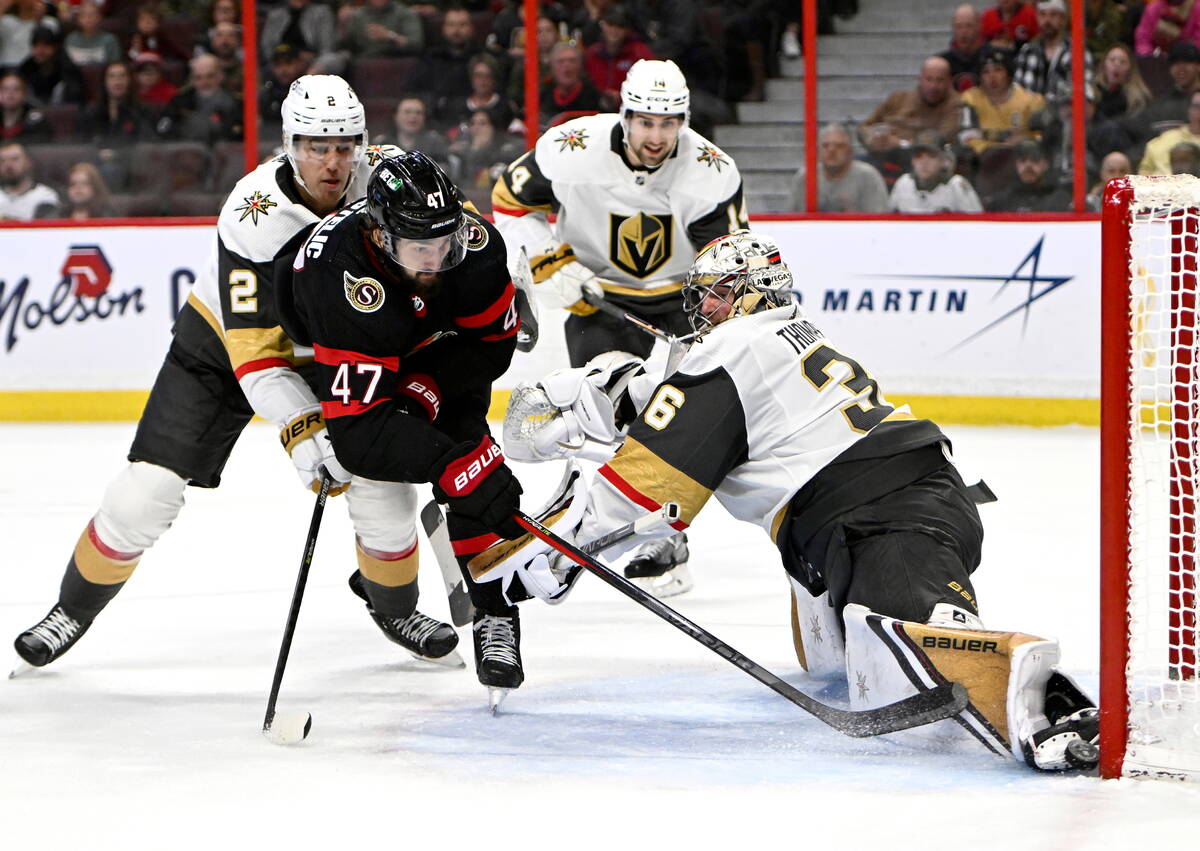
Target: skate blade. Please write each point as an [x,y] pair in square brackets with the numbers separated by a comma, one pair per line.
[21,667]
[496,697]
[676,581]
[289,728]
[450,660]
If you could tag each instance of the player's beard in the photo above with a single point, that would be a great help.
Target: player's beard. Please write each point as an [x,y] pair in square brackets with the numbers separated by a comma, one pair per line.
[422,284]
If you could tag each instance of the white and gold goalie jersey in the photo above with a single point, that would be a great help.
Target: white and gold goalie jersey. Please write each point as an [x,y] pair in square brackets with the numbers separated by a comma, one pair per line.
[261,224]
[637,227]
[758,407]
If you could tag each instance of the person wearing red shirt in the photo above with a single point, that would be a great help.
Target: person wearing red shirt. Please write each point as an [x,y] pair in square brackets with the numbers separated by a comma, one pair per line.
[153,88]
[1010,23]
[609,59]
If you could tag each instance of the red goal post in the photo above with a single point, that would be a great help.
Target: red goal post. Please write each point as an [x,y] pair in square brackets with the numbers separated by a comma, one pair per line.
[1150,478]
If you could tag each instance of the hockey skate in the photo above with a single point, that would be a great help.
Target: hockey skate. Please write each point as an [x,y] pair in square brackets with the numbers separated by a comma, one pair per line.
[48,639]
[661,566]
[1071,740]
[498,653]
[423,637]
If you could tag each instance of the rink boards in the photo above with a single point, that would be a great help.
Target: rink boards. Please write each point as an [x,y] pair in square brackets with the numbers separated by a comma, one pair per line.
[970,321]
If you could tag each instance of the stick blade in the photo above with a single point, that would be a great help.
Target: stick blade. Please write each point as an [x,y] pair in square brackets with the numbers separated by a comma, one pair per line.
[288,728]
[434,523]
[924,707]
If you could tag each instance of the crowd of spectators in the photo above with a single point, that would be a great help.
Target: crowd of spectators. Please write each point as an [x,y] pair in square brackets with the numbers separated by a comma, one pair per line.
[149,92]
[988,124]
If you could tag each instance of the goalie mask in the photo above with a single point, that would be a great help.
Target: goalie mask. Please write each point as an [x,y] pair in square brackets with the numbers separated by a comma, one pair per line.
[736,274]
[322,106]
[419,213]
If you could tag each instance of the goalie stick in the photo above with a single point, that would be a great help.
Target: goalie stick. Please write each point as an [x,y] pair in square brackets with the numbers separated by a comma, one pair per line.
[461,610]
[924,707]
[293,727]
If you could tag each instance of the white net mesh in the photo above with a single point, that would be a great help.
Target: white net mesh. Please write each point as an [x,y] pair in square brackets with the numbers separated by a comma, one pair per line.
[1164,428]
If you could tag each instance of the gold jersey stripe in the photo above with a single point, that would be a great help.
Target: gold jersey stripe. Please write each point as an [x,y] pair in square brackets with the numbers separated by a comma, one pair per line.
[246,345]
[98,568]
[390,574]
[503,198]
[202,308]
[654,478]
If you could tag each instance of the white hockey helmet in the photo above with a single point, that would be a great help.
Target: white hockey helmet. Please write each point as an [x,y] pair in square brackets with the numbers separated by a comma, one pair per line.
[322,105]
[656,86]
[742,268]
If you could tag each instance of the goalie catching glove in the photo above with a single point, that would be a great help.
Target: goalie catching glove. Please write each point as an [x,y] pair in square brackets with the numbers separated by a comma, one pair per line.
[559,277]
[473,481]
[307,442]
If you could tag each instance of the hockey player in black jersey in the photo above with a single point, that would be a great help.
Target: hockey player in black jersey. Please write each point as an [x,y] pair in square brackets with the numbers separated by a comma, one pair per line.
[875,528]
[228,360]
[406,300]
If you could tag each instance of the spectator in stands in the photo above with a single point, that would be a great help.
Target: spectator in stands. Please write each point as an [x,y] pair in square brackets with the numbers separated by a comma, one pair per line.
[966,46]
[1171,109]
[1103,25]
[570,89]
[608,60]
[673,30]
[932,105]
[383,28]
[1163,24]
[442,75]
[479,155]
[87,44]
[287,66]
[932,186]
[414,134]
[223,12]
[1035,190]
[1185,159]
[484,72]
[1043,65]
[548,35]
[1119,88]
[18,20]
[19,121]
[1157,158]
[148,36]
[999,112]
[21,197]
[153,89]
[203,111]
[86,197]
[226,45]
[307,26]
[584,22]
[1010,23]
[50,74]
[115,123]
[1115,165]
[885,152]
[748,28]
[844,184]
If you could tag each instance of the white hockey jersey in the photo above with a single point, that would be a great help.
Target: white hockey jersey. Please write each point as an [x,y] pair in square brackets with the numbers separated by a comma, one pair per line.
[638,228]
[758,407]
[262,222]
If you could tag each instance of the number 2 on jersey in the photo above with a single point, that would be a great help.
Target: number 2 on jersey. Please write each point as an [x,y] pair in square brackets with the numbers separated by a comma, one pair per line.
[862,415]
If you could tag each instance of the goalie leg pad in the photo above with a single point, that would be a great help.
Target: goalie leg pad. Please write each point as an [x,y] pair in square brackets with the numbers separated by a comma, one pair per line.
[816,633]
[1005,674]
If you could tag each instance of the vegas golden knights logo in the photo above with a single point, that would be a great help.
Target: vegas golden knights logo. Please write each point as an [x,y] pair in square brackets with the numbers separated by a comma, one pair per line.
[639,244]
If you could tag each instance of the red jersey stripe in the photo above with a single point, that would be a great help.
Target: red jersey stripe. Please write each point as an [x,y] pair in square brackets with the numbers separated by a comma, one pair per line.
[634,495]
[510,211]
[331,410]
[335,357]
[471,546]
[491,337]
[259,365]
[490,314]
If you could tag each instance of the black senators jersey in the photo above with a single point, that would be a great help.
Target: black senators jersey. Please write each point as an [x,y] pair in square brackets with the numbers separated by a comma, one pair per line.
[402,377]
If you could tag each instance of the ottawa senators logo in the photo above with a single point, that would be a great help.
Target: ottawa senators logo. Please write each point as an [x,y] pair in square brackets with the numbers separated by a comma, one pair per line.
[364,294]
[477,236]
[640,244]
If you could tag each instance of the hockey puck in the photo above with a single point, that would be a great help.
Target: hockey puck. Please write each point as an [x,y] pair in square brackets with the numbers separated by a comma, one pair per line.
[289,728]
[1083,755]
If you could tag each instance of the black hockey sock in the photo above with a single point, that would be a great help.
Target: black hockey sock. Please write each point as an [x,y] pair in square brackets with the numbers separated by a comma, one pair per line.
[81,599]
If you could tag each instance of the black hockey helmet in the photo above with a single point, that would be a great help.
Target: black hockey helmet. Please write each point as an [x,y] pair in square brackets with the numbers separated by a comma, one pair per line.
[419,211]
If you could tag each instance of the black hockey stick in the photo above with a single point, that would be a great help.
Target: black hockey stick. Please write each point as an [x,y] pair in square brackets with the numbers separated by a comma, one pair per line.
[293,727]
[594,296]
[922,708]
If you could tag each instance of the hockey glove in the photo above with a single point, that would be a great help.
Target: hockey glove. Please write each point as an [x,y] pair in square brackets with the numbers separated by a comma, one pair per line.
[307,442]
[420,395]
[473,481]
[560,279]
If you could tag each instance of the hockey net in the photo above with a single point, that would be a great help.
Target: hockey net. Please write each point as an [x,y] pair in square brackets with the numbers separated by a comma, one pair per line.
[1150,478]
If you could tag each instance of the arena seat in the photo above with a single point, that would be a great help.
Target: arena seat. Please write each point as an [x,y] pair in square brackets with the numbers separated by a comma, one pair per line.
[61,118]
[997,169]
[167,166]
[194,204]
[382,78]
[53,162]
[1156,71]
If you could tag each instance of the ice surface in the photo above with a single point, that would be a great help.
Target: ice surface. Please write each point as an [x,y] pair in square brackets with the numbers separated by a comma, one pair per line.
[146,735]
